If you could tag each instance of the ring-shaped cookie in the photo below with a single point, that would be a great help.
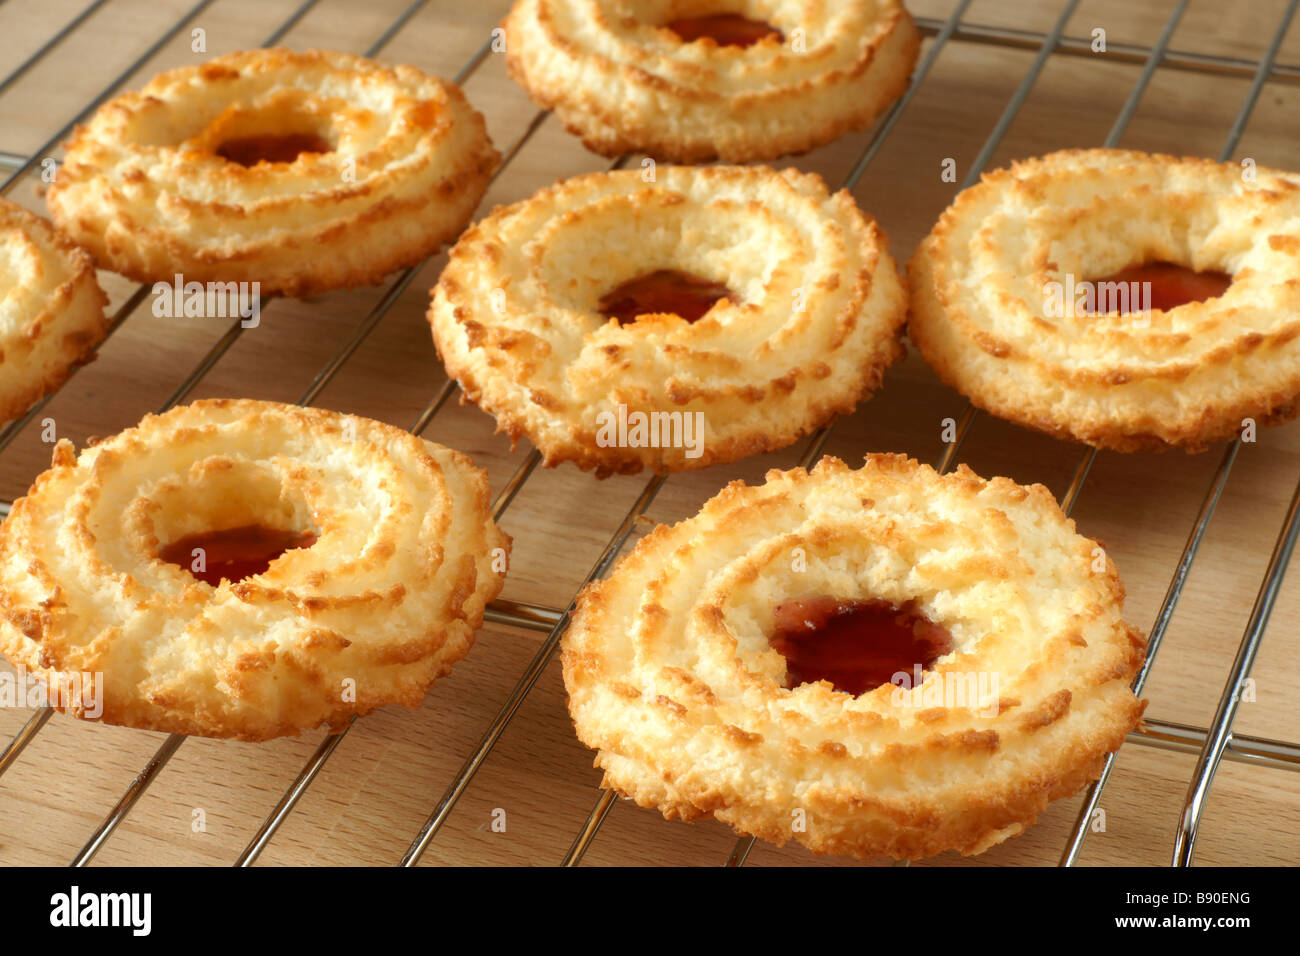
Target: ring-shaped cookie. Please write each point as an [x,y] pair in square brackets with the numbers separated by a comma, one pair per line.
[810,317]
[1001,308]
[673,677]
[621,78]
[385,599]
[301,171]
[51,308]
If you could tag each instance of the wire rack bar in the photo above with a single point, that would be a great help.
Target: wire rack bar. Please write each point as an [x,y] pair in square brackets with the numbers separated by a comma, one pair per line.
[402,20]
[21,739]
[129,799]
[107,92]
[283,29]
[525,683]
[986,34]
[17,72]
[1195,536]
[1240,748]
[1127,53]
[877,140]
[1220,730]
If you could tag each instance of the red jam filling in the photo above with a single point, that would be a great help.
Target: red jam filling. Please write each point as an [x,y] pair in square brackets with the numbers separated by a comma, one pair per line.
[236,553]
[1171,285]
[724,29]
[664,291]
[251,150]
[856,645]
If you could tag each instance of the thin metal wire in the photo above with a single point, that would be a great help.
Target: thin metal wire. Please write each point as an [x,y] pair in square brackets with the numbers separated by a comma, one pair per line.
[283,29]
[1183,738]
[107,92]
[1128,53]
[129,799]
[1220,729]
[525,684]
[532,617]
[402,19]
[877,141]
[49,45]
[604,803]
[1017,100]
[1195,536]
[23,737]
[961,428]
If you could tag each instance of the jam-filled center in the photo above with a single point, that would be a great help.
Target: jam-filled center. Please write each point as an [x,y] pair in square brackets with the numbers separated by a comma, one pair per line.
[233,554]
[271,148]
[724,29]
[856,645]
[664,291]
[1156,285]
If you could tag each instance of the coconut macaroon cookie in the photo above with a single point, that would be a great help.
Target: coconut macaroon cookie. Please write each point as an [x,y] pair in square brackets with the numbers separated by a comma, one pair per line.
[248,569]
[875,662]
[673,321]
[694,81]
[301,171]
[1118,298]
[51,308]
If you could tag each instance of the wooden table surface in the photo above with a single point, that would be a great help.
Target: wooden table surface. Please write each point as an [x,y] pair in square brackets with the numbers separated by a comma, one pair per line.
[389,772]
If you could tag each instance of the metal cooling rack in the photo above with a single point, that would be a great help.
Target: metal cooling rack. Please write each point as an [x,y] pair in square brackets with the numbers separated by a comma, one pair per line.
[1212,744]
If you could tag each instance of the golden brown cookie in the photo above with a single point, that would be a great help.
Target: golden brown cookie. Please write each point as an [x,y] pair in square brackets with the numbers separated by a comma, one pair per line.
[247,569]
[1118,298]
[51,308]
[690,82]
[881,661]
[300,171]
[672,318]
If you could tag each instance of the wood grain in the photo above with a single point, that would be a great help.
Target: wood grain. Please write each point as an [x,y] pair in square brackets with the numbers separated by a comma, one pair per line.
[391,769]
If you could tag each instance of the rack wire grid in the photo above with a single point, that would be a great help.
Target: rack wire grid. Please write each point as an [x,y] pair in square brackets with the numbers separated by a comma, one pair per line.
[395,789]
